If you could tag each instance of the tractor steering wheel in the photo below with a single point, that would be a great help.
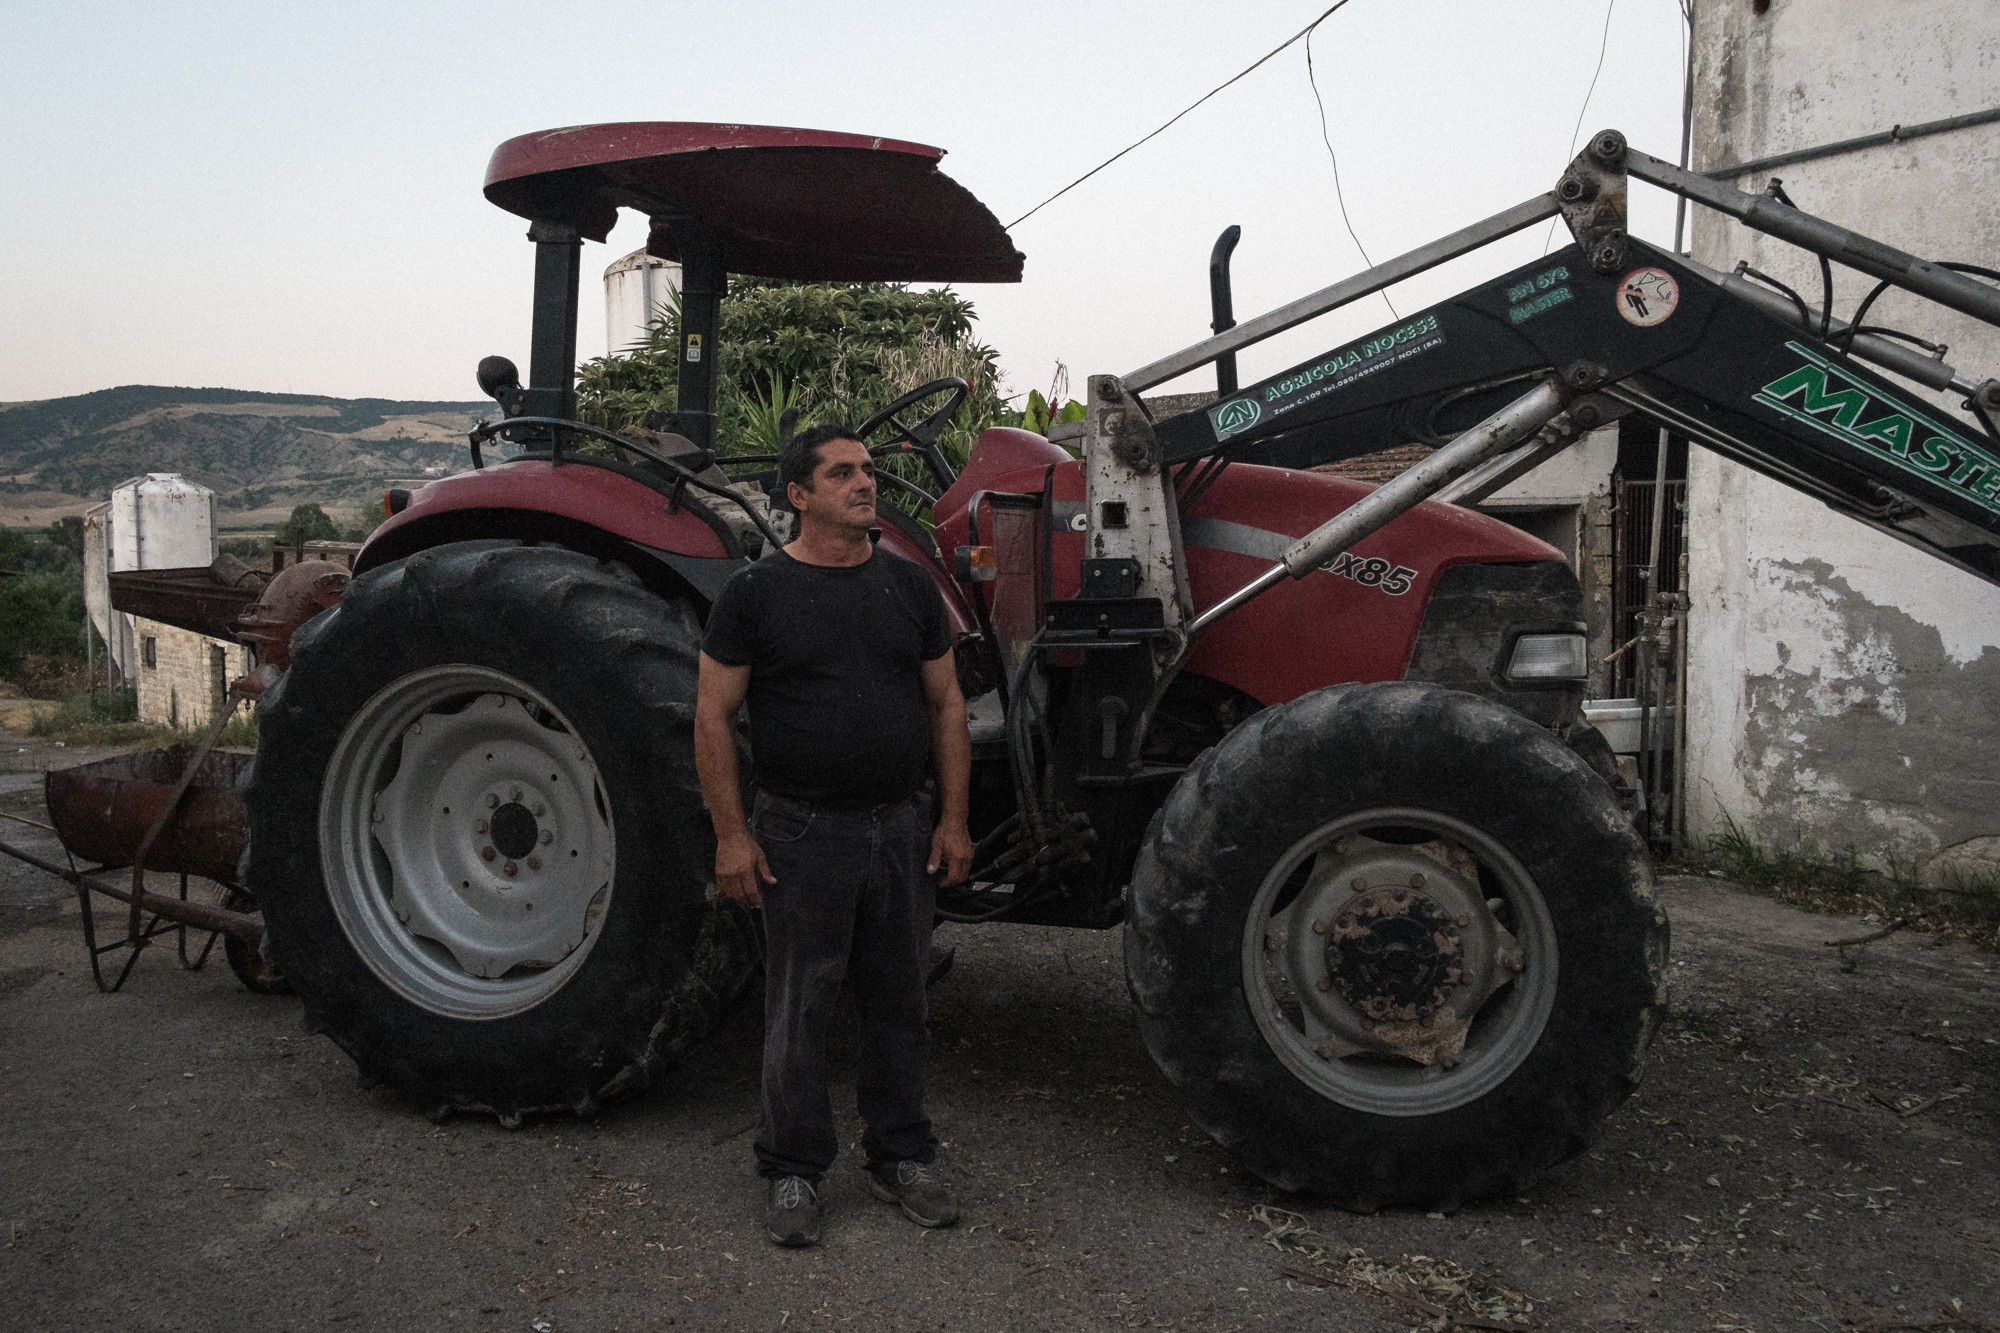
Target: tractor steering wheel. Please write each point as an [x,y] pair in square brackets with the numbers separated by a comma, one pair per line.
[923,436]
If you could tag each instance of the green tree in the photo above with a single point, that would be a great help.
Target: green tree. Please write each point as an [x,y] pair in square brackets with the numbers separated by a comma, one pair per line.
[310,523]
[41,602]
[836,351]
[67,533]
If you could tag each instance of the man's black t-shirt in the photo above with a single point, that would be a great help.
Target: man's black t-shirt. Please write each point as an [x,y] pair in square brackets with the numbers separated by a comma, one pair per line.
[837,713]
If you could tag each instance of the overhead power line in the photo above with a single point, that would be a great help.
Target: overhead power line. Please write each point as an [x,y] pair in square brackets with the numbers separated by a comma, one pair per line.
[1603,45]
[1339,197]
[1191,106]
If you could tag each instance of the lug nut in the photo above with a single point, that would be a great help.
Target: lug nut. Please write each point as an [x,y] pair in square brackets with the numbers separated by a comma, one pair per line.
[540,809]
[1465,918]
[534,863]
[1359,885]
[1416,881]
[1319,927]
[479,826]
[510,868]
[514,795]
[492,801]
[1448,1060]
[487,853]
[548,836]
[1326,983]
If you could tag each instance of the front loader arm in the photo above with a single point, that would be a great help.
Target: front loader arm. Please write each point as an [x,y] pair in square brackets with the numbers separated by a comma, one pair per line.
[1655,335]
[1708,365]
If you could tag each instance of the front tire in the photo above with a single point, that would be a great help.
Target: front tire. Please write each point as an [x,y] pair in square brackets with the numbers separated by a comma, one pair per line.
[1396,944]
[478,837]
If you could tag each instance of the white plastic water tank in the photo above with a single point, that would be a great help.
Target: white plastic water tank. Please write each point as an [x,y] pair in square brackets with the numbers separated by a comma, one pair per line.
[160,521]
[637,291]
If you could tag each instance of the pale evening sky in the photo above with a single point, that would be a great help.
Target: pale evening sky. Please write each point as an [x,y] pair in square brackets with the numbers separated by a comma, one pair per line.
[286,197]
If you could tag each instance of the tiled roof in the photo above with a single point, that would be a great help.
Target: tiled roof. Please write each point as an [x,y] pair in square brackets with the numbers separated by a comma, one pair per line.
[1380,466]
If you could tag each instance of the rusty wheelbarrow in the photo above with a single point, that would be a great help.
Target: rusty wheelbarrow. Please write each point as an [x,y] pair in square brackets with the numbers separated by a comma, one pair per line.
[174,810]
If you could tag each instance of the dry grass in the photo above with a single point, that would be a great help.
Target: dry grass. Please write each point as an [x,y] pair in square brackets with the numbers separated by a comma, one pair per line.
[1436,1294]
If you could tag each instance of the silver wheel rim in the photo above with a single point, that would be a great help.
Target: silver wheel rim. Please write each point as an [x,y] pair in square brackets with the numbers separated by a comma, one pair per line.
[466,842]
[1508,952]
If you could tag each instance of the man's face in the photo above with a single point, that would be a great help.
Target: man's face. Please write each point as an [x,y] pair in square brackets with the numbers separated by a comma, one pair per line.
[843,495]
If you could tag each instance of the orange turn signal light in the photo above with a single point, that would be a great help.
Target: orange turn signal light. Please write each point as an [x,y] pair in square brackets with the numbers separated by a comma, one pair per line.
[976,564]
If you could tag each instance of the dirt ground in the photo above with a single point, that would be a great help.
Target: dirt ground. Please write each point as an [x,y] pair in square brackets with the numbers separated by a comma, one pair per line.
[1814,1149]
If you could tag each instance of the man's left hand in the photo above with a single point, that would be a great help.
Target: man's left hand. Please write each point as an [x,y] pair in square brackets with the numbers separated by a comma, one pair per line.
[951,847]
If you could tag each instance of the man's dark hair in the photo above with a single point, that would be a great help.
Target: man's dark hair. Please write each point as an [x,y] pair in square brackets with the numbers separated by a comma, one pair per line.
[801,457]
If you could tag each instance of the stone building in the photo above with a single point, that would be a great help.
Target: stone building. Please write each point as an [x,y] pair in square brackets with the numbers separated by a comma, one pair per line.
[183,677]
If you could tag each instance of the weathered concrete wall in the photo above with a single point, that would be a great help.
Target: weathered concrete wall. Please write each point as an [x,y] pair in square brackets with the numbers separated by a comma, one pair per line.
[1844,689]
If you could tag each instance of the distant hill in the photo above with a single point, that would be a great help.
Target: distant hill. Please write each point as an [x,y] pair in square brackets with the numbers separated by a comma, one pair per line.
[255,450]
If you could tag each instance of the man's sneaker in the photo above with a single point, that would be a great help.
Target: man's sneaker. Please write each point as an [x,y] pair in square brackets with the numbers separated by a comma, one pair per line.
[791,1214]
[924,1198]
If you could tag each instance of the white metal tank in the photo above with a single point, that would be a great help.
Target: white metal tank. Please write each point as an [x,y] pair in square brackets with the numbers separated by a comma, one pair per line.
[113,626]
[637,290]
[160,521]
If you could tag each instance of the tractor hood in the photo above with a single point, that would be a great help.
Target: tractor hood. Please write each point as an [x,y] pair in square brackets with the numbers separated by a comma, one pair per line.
[784,203]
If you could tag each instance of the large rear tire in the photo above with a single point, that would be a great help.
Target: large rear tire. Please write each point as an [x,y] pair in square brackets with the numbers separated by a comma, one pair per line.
[478,837]
[1396,944]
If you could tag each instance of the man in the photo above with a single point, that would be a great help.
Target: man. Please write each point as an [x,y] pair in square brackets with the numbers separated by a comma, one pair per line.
[844,656]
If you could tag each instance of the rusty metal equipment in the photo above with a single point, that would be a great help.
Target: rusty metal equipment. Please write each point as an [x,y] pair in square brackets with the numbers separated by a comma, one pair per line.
[173,810]
[176,810]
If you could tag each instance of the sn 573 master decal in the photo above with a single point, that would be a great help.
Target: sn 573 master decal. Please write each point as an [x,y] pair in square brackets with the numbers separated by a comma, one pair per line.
[1821,396]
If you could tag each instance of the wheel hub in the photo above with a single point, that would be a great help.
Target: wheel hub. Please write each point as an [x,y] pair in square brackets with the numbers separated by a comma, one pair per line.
[1393,954]
[1391,950]
[514,830]
[473,825]
[467,841]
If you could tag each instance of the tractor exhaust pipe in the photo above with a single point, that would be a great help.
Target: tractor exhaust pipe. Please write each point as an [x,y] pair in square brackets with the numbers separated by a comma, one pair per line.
[1503,430]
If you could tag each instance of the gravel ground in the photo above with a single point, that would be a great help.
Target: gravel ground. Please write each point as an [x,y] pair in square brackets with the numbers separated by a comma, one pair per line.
[181,1155]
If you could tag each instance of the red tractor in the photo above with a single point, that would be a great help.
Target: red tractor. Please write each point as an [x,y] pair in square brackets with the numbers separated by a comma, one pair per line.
[1388,927]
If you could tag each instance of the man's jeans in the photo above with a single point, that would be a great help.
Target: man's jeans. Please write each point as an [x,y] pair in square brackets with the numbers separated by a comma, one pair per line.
[853,903]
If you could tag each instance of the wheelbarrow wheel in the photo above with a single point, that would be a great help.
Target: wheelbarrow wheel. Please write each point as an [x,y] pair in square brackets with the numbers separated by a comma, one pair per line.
[478,836]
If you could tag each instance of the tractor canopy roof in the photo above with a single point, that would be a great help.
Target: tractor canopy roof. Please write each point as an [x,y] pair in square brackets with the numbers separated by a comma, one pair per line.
[783,203]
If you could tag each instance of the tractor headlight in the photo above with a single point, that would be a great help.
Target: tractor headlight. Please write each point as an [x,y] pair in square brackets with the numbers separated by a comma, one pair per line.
[1549,658]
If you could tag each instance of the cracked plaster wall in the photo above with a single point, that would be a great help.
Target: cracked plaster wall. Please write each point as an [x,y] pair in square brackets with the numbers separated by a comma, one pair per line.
[1844,689]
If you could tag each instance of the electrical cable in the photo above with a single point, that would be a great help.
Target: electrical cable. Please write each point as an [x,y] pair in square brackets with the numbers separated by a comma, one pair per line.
[1339,197]
[1197,102]
[1603,45]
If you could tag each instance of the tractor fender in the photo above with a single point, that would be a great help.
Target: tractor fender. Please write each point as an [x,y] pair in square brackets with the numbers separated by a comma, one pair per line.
[603,509]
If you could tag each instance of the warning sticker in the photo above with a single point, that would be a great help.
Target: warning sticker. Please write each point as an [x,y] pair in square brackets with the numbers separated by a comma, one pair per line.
[1648,296]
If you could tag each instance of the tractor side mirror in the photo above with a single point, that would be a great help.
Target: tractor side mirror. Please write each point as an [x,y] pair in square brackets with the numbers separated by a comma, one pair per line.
[497,375]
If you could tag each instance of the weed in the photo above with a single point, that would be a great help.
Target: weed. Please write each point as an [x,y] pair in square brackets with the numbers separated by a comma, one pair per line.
[1957,903]
[113,719]
[240,731]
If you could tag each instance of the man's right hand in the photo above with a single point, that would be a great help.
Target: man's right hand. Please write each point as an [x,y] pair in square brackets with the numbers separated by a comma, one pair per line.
[739,864]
